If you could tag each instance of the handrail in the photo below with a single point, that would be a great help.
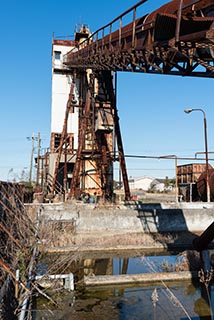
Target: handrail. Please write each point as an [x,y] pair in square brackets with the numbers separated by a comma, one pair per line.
[120,16]
[133,8]
[111,23]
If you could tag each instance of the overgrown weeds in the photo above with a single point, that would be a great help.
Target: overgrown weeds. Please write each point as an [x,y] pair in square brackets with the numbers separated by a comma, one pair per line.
[16,240]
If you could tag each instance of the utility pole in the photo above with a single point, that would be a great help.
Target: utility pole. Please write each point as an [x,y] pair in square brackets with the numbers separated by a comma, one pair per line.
[38,158]
[31,158]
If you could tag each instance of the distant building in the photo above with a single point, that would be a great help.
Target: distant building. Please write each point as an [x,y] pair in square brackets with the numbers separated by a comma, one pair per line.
[158,185]
[146,183]
[143,183]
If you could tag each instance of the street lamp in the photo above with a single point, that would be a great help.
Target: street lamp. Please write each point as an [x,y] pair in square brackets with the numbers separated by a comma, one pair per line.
[206,149]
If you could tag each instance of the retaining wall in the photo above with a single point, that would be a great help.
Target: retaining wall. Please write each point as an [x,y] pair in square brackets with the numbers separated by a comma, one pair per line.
[132,217]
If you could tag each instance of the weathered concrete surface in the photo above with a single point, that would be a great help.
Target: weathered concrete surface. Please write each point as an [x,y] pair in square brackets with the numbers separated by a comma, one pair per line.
[132,217]
[139,278]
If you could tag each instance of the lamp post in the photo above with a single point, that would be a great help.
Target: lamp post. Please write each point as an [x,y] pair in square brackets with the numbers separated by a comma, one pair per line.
[206,149]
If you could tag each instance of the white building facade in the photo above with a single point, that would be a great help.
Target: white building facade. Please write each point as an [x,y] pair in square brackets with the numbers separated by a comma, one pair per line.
[61,85]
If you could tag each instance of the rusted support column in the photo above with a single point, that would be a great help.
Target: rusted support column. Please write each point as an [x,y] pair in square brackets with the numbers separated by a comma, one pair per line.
[133,28]
[75,180]
[120,32]
[120,150]
[201,243]
[110,37]
[178,23]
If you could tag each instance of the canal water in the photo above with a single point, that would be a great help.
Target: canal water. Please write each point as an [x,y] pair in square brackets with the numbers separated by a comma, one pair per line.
[158,301]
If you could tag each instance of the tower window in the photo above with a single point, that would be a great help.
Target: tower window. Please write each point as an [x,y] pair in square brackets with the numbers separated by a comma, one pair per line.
[57,55]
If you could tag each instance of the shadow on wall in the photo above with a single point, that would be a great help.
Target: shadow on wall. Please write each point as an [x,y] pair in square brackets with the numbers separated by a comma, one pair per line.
[158,221]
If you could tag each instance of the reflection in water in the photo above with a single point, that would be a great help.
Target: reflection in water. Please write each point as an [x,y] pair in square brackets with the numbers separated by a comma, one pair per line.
[183,300]
[129,265]
[112,263]
[134,303]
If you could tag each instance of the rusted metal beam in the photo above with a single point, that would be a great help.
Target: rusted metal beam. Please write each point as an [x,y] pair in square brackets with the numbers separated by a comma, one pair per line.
[75,180]
[122,159]
[202,242]
[120,150]
[178,23]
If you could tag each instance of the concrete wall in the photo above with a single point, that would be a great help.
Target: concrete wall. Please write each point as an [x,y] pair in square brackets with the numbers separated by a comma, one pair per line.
[129,218]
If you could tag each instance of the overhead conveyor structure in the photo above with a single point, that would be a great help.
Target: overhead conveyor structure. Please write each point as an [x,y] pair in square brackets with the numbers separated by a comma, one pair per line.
[176,39]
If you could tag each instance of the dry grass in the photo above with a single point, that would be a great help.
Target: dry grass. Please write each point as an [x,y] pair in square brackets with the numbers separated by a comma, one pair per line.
[59,234]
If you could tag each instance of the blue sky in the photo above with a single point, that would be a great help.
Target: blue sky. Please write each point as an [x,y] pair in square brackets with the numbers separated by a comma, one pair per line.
[150,106]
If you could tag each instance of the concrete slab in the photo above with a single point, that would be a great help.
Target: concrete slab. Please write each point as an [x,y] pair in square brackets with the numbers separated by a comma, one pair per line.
[145,278]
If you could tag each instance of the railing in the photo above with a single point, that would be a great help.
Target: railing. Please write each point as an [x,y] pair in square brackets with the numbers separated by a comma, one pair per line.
[95,36]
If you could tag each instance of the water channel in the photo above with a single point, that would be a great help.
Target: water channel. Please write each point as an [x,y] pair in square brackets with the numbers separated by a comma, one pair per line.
[157,300]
